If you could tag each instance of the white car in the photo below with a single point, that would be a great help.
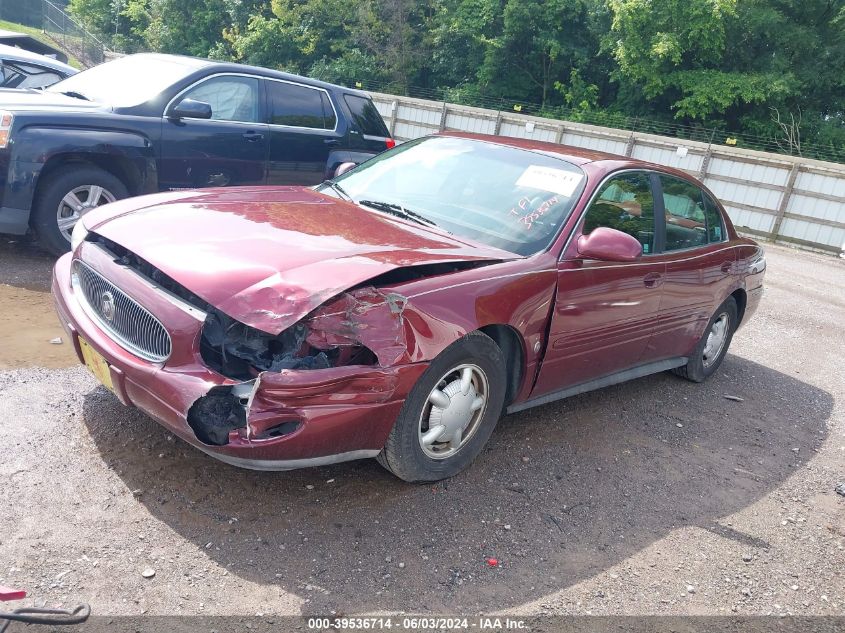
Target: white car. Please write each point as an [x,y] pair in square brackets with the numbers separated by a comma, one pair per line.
[21,68]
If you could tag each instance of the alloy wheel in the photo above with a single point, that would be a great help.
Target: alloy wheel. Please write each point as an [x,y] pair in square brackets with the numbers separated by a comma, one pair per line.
[77,203]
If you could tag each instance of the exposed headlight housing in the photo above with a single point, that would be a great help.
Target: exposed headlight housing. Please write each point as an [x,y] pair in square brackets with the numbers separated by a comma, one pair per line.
[6,119]
[78,235]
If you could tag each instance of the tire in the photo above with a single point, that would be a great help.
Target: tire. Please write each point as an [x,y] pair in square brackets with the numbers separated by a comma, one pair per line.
[404,454]
[81,179]
[702,362]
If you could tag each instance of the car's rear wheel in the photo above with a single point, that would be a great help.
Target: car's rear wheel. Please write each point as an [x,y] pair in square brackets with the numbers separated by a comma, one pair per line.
[68,194]
[713,346]
[450,413]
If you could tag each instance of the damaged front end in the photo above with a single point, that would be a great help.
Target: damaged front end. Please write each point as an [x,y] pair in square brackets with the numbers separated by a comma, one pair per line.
[350,338]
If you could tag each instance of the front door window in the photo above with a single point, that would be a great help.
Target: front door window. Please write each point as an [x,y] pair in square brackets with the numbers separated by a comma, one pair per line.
[625,203]
[231,98]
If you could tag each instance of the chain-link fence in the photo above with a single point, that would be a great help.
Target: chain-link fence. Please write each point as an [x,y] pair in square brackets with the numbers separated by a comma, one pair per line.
[72,37]
[50,17]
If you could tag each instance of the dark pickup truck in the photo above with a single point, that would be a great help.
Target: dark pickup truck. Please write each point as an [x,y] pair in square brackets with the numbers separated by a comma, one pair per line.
[147,123]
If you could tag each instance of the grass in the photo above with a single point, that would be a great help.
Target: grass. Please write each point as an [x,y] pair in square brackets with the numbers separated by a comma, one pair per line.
[37,34]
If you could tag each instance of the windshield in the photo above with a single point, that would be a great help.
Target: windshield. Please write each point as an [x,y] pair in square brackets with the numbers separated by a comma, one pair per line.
[126,82]
[510,198]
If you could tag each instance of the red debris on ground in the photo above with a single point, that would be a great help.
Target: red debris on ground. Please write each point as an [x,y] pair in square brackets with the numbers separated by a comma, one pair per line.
[11,594]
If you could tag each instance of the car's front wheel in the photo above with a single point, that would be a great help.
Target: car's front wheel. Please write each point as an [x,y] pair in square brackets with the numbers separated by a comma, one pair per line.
[68,194]
[713,345]
[450,413]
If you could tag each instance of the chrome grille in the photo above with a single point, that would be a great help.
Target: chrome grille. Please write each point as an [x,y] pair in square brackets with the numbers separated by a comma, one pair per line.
[133,327]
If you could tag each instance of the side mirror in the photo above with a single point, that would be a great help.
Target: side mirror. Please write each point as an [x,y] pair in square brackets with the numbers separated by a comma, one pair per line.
[190,109]
[610,245]
[343,168]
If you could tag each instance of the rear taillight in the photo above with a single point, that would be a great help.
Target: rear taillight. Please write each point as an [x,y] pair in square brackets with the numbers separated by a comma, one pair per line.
[6,119]
[390,143]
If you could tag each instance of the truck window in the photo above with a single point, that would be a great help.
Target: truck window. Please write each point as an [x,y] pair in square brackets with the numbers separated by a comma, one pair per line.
[299,106]
[366,117]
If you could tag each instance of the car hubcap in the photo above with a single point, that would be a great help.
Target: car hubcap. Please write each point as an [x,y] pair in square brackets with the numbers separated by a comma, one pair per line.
[453,411]
[716,338]
[77,203]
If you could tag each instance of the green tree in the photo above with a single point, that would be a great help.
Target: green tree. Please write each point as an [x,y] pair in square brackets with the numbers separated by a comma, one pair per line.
[540,42]
[676,50]
[107,19]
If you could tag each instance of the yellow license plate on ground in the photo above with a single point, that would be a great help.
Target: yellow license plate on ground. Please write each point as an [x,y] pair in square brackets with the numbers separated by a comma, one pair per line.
[96,363]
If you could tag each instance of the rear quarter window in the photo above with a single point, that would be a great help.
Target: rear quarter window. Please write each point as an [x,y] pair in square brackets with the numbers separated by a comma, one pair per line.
[715,225]
[366,116]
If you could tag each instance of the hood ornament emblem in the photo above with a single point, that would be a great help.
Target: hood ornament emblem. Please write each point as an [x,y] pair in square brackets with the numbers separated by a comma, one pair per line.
[107,305]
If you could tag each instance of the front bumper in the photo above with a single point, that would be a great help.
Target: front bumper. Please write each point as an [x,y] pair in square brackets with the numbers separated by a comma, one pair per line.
[342,412]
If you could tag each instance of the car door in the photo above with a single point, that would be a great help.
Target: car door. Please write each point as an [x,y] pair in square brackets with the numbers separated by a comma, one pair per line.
[230,148]
[303,132]
[699,265]
[605,312]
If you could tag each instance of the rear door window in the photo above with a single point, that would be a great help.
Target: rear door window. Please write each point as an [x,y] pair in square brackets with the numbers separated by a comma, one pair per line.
[366,116]
[299,106]
[686,224]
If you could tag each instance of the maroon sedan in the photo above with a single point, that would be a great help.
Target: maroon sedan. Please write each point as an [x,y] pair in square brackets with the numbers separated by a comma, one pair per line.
[398,311]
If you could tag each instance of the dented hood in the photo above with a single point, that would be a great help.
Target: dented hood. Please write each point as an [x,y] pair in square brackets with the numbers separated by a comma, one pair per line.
[267,256]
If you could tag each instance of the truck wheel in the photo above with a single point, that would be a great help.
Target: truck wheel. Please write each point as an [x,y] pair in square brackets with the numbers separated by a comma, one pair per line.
[68,194]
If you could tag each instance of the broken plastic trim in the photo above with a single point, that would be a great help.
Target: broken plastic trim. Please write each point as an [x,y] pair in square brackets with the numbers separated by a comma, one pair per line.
[342,333]
[225,409]
[366,317]
[241,352]
[213,416]
[357,328]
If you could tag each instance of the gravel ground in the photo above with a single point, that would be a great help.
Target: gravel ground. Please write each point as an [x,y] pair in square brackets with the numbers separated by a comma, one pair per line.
[654,497]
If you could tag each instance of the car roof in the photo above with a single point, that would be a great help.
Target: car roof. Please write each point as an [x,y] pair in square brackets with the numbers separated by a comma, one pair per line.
[190,63]
[28,42]
[15,54]
[197,63]
[580,156]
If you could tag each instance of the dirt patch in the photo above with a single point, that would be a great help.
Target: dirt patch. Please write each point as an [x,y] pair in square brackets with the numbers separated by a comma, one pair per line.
[28,323]
[28,320]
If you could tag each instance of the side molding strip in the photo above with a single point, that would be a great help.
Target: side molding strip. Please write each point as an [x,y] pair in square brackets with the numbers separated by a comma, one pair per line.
[599,383]
[289,464]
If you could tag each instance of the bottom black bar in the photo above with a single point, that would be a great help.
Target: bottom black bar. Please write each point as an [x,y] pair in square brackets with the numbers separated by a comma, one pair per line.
[542,624]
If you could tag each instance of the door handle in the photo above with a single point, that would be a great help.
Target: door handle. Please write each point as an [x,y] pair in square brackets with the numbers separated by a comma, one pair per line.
[252,136]
[726,267]
[652,280]
[331,141]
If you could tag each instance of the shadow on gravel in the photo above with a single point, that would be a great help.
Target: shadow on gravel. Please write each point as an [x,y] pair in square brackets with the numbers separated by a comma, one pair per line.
[23,264]
[582,484]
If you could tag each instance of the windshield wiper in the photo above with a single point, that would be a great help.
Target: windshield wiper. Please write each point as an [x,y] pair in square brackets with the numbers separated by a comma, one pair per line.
[331,184]
[398,210]
[75,95]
